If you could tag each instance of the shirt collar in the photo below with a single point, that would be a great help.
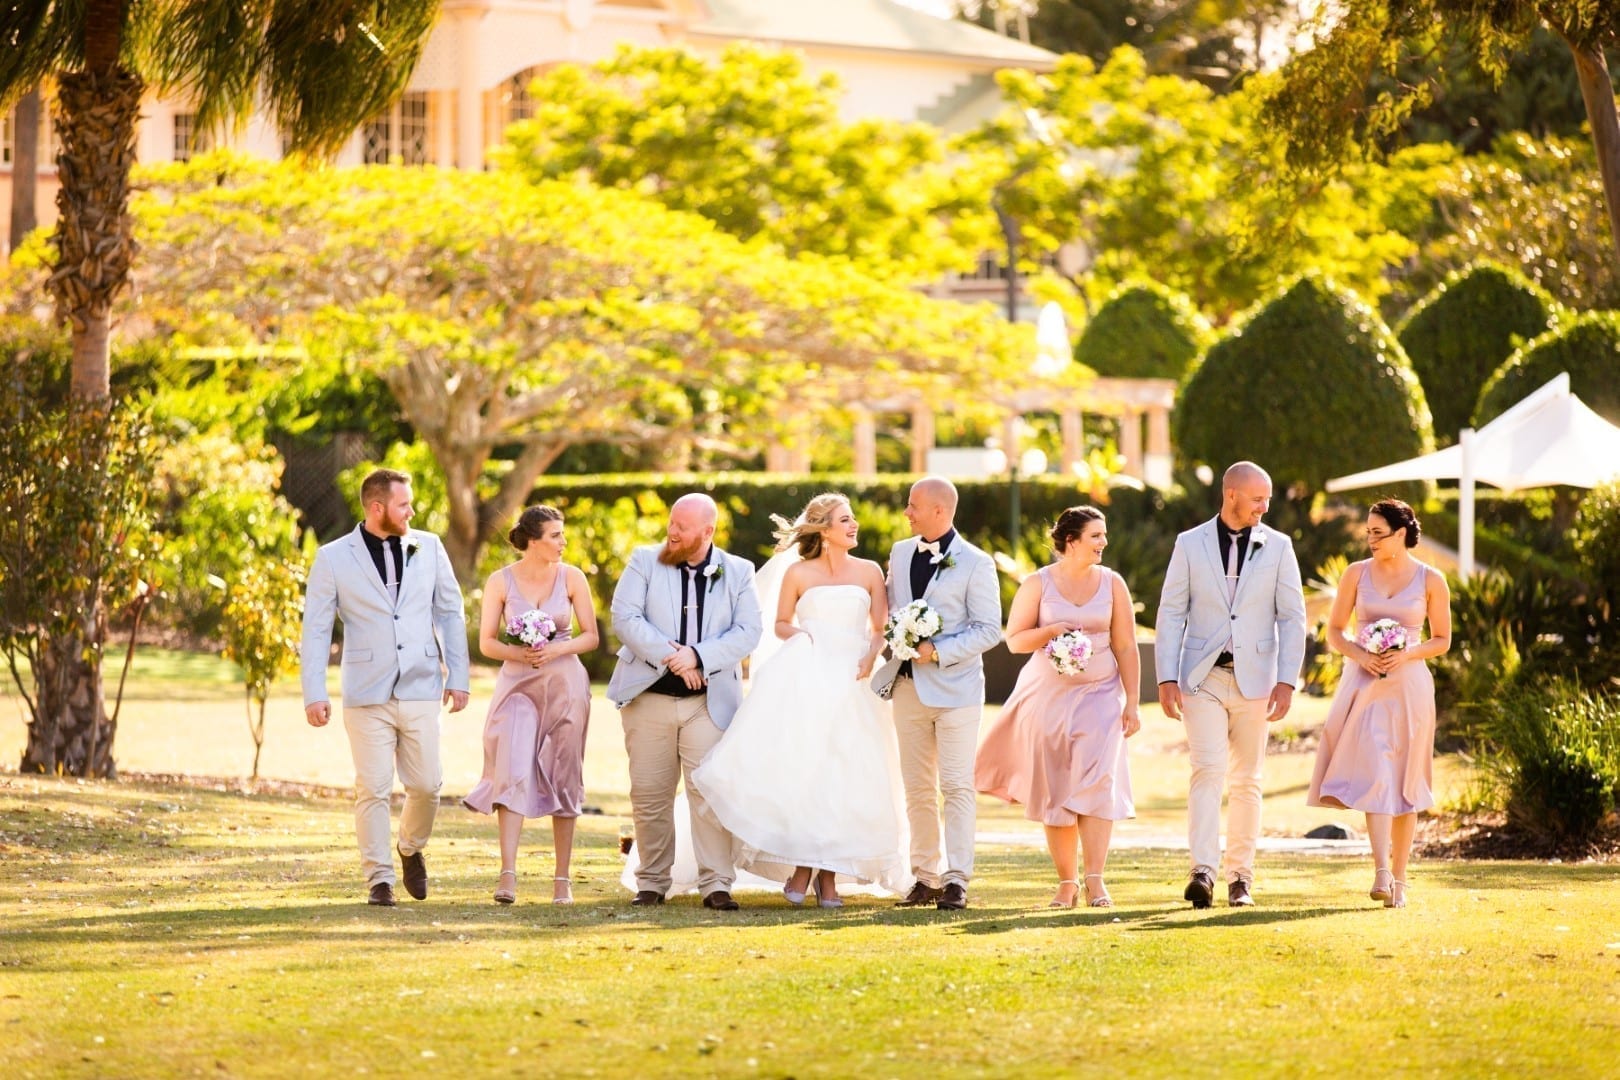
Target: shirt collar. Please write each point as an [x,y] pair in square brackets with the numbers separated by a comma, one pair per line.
[1226,530]
[943,540]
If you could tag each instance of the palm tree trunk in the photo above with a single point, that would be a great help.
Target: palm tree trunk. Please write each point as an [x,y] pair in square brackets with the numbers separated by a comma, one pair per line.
[25,167]
[1598,92]
[71,734]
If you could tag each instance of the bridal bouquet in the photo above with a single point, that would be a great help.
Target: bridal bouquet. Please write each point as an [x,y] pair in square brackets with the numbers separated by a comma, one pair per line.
[908,627]
[533,627]
[1069,652]
[1385,635]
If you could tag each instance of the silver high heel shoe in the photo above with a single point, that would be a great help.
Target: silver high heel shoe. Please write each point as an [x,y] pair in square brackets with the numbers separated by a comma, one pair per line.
[1101,899]
[1073,900]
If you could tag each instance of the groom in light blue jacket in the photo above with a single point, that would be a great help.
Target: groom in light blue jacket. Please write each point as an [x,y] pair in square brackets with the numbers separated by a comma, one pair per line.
[939,697]
[403,629]
[1230,644]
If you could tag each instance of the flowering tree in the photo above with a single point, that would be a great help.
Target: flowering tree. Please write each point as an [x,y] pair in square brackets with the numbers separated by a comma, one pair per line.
[263,618]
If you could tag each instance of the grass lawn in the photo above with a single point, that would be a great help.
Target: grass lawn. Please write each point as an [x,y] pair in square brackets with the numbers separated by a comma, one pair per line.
[177,930]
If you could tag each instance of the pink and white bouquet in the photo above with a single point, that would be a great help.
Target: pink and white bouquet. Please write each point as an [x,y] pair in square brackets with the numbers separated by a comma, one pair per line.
[1069,652]
[909,627]
[1385,635]
[533,627]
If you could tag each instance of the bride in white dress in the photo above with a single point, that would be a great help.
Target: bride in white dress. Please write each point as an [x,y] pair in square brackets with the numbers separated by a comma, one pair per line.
[807,777]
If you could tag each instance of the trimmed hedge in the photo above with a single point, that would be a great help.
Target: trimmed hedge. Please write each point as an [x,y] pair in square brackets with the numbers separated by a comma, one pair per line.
[1587,346]
[1458,335]
[1597,540]
[1311,385]
[1144,331]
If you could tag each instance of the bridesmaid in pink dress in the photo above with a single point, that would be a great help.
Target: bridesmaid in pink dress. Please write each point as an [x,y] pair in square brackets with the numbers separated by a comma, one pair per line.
[534,739]
[1058,745]
[1378,743]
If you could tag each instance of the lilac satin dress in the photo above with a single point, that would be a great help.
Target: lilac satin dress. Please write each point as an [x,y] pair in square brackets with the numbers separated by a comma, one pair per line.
[1058,745]
[1377,748]
[534,738]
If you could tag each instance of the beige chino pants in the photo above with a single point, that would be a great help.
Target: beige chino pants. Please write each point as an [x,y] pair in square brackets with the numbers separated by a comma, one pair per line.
[1226,743]
[666,738]
[402,736]
[936,764]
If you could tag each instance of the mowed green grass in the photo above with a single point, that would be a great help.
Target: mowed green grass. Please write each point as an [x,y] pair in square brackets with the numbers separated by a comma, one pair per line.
[177,930]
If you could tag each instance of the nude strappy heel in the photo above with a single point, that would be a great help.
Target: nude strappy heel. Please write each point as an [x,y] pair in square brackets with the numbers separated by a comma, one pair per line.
[1397,893]
[503,895]
[567,889]
[1102,899]
[1056,903]
[1382,883]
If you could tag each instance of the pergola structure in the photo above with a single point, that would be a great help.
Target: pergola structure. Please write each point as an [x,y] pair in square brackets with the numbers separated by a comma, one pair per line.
[1141,405]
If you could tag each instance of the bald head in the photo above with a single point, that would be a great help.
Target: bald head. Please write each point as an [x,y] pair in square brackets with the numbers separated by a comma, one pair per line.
[690,530]
[931,509]
[1245,495]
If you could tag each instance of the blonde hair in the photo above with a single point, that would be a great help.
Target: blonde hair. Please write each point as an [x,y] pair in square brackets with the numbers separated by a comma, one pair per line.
[811,525]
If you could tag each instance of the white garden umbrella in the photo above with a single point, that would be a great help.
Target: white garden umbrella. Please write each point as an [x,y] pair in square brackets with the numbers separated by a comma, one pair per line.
[1550,437]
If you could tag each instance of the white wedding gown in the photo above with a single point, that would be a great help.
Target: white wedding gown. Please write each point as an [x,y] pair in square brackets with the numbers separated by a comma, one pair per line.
[808,773]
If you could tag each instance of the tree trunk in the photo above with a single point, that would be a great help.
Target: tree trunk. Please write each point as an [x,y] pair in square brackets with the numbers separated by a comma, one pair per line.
[1598,92]
[461,539]
[72,735]
[93,233]
[25,167]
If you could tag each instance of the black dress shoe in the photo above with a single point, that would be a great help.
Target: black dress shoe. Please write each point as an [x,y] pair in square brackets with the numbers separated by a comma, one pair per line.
[954,898]
[647,898]
[1201,889]
[1237,894]
[415,874]
[720,900]
[921,896]
[382,895]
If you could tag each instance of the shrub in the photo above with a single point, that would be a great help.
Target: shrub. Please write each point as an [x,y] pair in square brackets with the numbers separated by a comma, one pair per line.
[1597,541]
[1587,346]
[1144,331]
[1311,385]
[1458,335]
[1555,750]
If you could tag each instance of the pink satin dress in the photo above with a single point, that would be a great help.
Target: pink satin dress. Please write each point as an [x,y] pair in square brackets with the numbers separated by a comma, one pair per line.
[1377,748]
[1058,745]
[534,738]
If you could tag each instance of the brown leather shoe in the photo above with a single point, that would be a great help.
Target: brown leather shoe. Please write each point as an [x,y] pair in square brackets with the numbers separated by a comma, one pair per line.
[954,898]
[647,898]
[1200,889]
[720,900]
[414,869]
[1237,894]
[382,895]
[921,896]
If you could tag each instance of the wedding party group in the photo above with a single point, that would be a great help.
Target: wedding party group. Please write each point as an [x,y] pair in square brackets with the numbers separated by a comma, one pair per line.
[853,757]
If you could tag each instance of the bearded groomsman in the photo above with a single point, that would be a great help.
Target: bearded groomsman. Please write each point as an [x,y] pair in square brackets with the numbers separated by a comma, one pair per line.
[687,615]
[939,697]
[403,625]
[1230,644]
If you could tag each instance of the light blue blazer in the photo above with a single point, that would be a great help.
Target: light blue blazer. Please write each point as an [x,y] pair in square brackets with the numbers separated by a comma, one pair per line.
[968,599]
[390,650]
[1265,619]
[647,617]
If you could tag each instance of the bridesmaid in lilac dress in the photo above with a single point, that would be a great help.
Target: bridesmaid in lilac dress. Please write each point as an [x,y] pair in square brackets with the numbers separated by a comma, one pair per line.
[1378,743]
[534,739]
[1058,745]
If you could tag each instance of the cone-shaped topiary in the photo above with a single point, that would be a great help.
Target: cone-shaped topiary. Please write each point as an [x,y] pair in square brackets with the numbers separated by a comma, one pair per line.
[1459,334]
[1311,385]
[1144,331]
[1587,346]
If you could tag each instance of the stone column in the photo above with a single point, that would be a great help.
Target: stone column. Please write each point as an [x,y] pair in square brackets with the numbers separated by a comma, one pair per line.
[1158,467]
[922,437]
[1130,442]
[865,441]
[469,93]
[1074,440]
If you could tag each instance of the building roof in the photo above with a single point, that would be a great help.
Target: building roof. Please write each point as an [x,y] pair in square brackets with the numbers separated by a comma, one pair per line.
[863,24]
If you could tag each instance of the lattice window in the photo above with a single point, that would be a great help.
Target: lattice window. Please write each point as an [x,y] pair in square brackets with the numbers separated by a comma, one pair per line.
[50,144]
[402,132]
[8,123]
[189,139]
[516,102]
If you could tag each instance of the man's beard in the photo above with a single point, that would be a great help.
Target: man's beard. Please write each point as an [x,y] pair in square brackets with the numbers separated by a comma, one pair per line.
[670,555]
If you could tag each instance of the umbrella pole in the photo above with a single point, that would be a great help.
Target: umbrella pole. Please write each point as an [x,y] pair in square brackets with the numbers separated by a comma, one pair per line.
[1465,506]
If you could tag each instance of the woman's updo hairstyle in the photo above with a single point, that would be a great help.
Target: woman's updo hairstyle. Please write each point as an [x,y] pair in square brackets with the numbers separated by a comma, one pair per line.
[531,525]
[1071,524]
[1400,516]
[808,530]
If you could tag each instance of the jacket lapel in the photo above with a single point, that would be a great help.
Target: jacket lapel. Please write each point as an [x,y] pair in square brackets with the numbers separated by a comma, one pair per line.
[713,596]
[1211,542]
[901,569]
[1254,557]
[365,567]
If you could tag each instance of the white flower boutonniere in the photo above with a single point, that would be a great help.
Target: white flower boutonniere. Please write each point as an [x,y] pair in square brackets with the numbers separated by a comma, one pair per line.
[411,548]
[714,572]
[944,560]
